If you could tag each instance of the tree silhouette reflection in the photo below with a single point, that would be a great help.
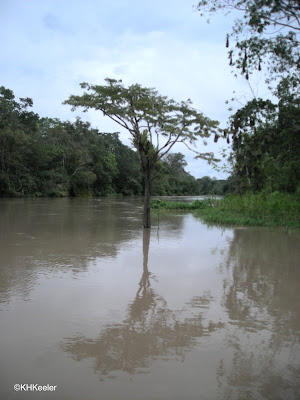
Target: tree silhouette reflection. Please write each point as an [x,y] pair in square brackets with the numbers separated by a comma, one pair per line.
[261,298]
[150,330]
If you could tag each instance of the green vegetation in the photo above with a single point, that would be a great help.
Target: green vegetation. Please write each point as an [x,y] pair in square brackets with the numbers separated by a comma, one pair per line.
[263,209]
[180,205]
[173,180]
[154,122]
[264,44]
[49,157]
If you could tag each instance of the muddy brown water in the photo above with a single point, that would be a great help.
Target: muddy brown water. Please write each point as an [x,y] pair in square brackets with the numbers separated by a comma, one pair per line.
[93,305]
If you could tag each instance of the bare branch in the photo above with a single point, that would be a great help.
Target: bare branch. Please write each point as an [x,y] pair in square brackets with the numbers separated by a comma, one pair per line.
[171,144]
[119,121]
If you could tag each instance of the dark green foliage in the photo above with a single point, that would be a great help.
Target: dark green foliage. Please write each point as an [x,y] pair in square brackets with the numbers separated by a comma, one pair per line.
[266,145]
[212,186]
[266,134]
[18,147]
[128,180]
[48,157]
[172,179]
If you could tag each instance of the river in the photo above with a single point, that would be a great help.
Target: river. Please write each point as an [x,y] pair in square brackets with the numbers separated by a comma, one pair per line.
[100,309]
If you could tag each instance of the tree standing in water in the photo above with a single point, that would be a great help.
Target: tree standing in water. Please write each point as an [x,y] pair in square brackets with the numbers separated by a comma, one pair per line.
[154,122]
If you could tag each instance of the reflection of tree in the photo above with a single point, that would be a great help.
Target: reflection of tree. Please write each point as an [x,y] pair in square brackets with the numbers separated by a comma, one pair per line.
[150,330]
[262,299]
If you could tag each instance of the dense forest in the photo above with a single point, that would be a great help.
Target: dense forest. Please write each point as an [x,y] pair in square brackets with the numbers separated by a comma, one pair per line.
[49,157]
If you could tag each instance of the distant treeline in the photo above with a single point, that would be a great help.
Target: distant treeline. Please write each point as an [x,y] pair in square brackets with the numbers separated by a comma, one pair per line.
[49,157]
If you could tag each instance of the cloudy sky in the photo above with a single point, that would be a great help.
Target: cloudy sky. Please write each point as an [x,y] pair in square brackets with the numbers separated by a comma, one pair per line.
[49,46]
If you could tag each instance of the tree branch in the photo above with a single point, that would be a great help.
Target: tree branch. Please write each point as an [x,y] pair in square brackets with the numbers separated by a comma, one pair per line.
[119,121]
[171,144]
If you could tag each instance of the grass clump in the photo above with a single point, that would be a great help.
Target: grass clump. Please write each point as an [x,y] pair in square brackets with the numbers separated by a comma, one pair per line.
[180,205]
[262,209]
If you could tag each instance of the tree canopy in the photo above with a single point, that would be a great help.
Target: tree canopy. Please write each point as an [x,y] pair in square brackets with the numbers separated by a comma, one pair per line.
[147,116]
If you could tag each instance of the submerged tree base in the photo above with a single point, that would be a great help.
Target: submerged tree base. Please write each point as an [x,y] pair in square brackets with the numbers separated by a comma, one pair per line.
[263,209]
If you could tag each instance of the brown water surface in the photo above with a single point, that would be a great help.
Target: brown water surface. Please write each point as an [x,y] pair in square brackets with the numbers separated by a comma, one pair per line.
[93,304]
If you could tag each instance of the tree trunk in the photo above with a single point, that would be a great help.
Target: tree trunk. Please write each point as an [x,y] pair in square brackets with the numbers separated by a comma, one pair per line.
[147,181]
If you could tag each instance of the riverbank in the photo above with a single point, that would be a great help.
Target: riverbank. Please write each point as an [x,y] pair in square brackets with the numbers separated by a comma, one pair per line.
[273,210]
